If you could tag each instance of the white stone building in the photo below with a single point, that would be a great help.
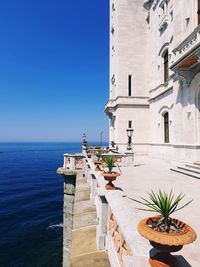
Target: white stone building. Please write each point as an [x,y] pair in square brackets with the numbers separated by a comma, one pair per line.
[155,77]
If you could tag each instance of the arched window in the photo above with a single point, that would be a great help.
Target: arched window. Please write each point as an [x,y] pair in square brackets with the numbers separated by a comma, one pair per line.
[166,127]
[166,66]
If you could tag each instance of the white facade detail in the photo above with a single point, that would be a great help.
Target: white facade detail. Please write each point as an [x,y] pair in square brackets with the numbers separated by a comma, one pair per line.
[155,77]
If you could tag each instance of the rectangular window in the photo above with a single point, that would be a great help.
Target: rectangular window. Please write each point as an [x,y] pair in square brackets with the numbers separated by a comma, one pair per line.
[129,85]
[166,127]
[129,124]
[198,12]
[166,67]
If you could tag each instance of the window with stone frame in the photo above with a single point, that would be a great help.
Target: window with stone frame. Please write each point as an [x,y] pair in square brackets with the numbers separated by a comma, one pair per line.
[166,66]
[166,127]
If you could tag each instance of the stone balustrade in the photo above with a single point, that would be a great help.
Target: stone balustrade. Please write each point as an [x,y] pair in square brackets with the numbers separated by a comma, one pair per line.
[188,47]
[74,161]
[116,231]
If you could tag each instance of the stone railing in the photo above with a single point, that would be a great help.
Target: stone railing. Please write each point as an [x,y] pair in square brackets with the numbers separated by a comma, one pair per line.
[74,161]
[120,243]
[116,230]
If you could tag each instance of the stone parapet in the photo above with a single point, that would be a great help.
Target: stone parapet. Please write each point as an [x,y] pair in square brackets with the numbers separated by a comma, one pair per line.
[116,229]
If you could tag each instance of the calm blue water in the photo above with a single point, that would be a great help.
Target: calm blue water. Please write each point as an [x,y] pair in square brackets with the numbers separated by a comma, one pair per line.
[31,203]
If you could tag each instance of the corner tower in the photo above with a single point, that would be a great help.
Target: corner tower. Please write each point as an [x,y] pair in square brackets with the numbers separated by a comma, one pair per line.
[128,105]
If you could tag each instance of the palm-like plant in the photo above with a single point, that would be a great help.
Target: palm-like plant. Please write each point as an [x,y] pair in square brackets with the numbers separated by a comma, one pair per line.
[163,203]
[109,162]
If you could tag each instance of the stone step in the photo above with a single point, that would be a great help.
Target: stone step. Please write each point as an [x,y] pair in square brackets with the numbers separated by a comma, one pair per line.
[197,163]
[188,173]
[189,169]
[194,166]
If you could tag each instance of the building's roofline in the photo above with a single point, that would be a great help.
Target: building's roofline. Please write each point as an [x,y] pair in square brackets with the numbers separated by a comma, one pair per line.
[147,4]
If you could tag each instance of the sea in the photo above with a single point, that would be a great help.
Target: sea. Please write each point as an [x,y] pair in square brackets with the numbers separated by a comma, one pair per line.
[31,203]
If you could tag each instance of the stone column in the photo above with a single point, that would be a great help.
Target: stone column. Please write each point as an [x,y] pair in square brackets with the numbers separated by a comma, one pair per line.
[72,163]
[102,209]
[68,211]
[93,186]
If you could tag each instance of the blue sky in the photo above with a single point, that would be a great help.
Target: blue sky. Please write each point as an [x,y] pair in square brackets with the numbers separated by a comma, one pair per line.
[53,69]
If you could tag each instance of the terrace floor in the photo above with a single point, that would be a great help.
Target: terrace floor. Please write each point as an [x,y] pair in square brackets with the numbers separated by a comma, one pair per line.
[153,174]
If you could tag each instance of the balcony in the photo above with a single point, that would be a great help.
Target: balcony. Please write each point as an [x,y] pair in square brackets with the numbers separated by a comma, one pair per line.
[186,54]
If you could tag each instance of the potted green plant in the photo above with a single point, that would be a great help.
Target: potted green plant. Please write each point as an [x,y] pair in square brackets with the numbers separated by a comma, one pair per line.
[166,234]
[109,175]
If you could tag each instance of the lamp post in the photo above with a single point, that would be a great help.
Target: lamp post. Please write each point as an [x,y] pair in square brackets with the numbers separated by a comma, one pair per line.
[129,134]
[84,141]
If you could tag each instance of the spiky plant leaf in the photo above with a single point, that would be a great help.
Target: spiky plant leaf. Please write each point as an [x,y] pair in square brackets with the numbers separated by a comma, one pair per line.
[109,162]
[163,203]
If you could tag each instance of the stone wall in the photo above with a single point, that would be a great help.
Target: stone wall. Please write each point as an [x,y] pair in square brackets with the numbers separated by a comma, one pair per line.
[68,212]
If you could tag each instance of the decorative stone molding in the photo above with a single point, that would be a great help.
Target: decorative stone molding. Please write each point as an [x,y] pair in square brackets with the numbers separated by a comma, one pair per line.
[74,161]
[126,100]
[189,41]
[147,5]
[163,24]
[163,48]
[190,46]
[118,239]
[186,76]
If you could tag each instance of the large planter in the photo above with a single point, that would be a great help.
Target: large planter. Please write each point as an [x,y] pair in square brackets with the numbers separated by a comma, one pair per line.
[110,177]
[166,243]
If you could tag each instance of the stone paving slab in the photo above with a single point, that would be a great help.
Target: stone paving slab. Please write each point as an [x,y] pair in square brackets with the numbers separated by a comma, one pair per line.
[94,259]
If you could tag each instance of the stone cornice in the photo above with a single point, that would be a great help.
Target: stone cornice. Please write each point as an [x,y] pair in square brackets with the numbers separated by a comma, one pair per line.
[187,146]
[125,102]
[129,97]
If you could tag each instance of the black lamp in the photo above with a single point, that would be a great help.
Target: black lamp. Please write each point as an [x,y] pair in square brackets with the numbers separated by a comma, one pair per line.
[129,134]
[84,140]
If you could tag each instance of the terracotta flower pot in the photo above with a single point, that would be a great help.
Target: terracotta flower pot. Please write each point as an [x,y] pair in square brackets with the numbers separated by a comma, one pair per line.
[110,177]
[166,243]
